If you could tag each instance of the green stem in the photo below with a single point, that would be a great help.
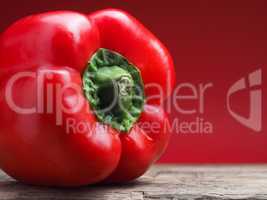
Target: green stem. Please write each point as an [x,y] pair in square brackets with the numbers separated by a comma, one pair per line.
[114,88]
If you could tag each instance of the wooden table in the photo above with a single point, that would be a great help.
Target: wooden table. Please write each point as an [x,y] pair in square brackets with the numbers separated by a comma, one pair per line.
[161,182]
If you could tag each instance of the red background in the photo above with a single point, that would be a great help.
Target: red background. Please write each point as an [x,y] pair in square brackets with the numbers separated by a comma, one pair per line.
[211,41]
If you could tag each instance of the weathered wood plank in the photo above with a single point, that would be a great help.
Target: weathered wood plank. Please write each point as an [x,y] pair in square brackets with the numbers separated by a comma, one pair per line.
[161,182]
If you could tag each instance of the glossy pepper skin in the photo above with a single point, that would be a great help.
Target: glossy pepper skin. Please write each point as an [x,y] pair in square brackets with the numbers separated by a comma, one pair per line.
[57,45]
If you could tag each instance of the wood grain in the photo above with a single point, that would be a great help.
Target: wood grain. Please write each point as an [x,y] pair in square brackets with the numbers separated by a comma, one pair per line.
[161,182]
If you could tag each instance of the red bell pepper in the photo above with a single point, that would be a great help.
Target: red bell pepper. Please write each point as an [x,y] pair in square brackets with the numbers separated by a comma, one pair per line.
[51,61]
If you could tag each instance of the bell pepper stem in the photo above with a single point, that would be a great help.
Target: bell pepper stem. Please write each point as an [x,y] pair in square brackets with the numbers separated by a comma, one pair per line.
[114,89]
